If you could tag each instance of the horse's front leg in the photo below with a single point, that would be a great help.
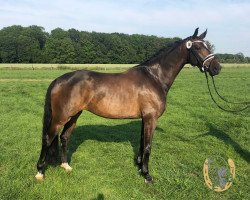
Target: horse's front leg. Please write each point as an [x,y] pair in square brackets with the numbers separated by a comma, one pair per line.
[140,153]
[149,127]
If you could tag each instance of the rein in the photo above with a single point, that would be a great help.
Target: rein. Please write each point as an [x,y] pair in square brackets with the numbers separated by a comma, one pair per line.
[224,99]
[203,67]
[221,97]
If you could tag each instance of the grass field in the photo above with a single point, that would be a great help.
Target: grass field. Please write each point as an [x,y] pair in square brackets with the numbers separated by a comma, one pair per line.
[101,151]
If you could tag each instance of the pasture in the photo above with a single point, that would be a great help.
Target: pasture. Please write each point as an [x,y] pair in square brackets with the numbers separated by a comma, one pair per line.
[102,151]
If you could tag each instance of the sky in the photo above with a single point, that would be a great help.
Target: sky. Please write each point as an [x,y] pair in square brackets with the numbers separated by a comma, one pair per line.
[227,21]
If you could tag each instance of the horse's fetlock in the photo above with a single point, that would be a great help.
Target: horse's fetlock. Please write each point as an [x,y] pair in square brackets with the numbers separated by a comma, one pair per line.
[144,170]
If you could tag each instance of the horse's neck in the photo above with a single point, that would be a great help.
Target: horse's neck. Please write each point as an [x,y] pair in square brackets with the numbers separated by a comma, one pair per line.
[167,68]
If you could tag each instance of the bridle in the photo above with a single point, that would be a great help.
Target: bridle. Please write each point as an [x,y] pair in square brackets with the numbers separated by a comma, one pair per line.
[202,65]
[202,62]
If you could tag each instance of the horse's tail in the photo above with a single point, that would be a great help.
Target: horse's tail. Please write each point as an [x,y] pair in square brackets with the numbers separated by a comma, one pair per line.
[53,150]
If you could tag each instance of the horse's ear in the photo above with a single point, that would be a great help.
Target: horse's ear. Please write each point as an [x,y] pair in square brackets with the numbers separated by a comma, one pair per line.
[203,35]
[195,33]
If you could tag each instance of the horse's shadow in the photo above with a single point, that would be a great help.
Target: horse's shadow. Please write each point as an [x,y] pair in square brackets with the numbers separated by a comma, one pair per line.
[129,132]
[214,131]
[221,135]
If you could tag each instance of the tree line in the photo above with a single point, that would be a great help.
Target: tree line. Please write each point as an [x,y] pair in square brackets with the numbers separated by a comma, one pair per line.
[34,45]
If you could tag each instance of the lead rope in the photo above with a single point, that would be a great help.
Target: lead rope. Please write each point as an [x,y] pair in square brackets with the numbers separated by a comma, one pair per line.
[233,111]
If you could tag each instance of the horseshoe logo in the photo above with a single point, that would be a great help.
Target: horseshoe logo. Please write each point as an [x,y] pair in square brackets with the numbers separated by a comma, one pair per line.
[219,174]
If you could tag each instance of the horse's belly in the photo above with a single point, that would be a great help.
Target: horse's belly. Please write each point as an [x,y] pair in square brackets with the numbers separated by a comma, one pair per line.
[115,107]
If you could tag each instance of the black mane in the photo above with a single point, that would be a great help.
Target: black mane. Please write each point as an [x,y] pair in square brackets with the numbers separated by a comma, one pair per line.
[162,52]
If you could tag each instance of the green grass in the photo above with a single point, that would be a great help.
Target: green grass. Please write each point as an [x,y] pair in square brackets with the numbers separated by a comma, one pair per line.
[101,151]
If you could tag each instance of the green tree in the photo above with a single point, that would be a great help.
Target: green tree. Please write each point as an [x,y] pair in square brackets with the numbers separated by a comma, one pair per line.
[87,49]
[9,43]
[59,47]
[240,58]
[19,44]
[60,51]
[210,46]
[32,44]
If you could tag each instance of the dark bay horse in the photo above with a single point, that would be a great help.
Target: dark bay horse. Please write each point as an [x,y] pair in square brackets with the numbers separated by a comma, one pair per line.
[140,92]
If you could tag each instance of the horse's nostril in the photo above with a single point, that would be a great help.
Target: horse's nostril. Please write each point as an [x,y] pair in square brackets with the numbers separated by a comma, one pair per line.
[216,70]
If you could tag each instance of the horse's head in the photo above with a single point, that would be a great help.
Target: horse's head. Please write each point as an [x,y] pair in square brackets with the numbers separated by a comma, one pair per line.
[199,55]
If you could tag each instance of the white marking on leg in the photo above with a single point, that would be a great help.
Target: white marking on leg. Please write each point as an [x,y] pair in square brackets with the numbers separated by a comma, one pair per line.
[66,166]
[146,181]
[39,176]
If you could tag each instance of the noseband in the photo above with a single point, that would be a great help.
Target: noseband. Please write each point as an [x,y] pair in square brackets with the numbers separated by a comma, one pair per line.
[201,61]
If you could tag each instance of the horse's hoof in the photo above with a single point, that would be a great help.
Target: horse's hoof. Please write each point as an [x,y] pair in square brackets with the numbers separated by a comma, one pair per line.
[39,176]
[148,180]
[66,167]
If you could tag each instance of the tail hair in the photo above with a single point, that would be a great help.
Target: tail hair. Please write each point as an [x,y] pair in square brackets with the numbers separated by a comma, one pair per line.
[53,150]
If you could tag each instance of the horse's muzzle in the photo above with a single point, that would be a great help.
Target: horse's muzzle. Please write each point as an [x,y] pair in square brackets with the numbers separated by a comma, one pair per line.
[214,68]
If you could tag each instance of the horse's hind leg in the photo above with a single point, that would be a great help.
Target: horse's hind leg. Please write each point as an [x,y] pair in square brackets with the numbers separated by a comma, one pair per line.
[67,130]
[48,144]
